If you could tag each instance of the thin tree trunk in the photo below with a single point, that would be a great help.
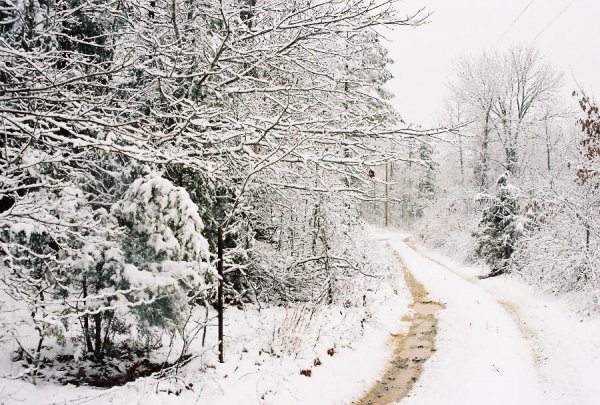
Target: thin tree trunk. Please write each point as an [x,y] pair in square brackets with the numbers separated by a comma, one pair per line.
[29,19]
[86,320]
[220,294]
[374,204]
[98,336]
[548,147]
[391,190]
[328,270]
[105,340]
[205,325]
[386,206]
[461,159]
[174,18]
[511,159]
[587,236]
[151,10]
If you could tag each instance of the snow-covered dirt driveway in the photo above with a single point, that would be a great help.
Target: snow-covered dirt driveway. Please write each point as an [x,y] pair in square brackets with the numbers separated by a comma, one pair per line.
[499,343]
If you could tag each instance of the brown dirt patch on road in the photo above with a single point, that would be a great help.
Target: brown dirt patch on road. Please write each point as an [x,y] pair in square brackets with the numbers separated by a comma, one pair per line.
[410,350]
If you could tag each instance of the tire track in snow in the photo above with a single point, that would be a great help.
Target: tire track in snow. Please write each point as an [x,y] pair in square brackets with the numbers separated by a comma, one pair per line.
[411,350]
[530,335]
[412,245]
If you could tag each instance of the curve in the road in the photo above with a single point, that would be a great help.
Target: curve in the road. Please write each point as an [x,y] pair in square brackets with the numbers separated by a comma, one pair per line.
[511,308]
[483,356]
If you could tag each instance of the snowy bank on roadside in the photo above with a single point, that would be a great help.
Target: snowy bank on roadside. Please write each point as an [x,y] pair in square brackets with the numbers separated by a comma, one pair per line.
[298,354]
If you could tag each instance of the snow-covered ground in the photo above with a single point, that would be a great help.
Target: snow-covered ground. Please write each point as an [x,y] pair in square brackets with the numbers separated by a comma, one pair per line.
[265,351]
[499,342]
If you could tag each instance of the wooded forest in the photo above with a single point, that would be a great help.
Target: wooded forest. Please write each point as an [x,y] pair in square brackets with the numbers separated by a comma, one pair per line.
[187,183]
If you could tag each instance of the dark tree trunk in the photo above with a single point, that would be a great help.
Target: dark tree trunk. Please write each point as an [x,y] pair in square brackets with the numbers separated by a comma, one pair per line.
[484,152]
[86,320]
[98,337]
[151,10]
[220,293]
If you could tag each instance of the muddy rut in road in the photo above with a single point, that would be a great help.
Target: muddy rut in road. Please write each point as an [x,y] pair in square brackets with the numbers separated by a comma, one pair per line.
[410,350]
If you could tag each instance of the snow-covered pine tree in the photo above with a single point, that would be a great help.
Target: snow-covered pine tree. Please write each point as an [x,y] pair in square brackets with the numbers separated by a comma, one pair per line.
[166,257]
[500,227]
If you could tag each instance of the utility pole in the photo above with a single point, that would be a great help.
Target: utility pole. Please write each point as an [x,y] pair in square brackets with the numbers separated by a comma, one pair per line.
[220,293]
[387,192]
[391,189]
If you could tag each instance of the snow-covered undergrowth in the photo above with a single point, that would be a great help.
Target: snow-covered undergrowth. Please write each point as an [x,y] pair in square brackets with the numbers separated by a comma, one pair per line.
[549,260]
[547,242]
[448,225]
[562,255]
[266,349]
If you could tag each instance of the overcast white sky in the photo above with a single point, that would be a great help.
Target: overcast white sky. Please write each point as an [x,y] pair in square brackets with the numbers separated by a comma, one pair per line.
[423,56]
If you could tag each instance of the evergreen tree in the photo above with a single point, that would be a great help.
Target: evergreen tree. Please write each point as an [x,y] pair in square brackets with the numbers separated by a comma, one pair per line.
[500,227]
[426,183]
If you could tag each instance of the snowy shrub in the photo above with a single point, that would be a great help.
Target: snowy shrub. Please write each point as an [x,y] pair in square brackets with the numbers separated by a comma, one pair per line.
[306,251]
[40,250]
[449,222]
[555,258]
[561,253]
[74,266]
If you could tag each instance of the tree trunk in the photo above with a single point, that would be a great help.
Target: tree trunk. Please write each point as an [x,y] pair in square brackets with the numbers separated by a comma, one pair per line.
[386,206]
[220,294]
[511,160]
[548,147]
[151,10]
[98,336]
[86,320]
[587,236]
[461,160]
[29,19]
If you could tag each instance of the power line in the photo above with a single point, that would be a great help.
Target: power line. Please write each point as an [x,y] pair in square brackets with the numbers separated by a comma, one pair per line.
[554,20]
[513,23]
